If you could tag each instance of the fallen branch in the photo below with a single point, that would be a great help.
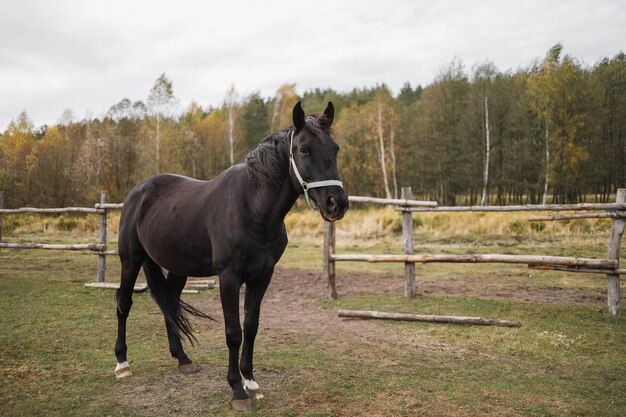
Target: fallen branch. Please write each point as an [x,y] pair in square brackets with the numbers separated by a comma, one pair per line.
[427,318]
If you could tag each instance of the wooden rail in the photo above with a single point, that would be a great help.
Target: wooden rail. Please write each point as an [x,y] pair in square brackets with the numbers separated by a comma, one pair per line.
[53,210]
[551,217]
[75,246]
[529,207]
[606,264]
[609,266]
[404,202]
[108,206]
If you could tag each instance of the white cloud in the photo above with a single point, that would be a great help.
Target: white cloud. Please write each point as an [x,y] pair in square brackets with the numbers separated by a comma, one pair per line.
[89,55]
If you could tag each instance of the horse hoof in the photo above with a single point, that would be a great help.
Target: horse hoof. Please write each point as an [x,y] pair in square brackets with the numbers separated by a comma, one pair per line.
[188,368]
[255,394]
[241,405]
[252,389]
[122,370]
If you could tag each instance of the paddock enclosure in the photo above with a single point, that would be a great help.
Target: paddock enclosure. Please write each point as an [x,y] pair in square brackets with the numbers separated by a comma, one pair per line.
[406,205]
[566,359]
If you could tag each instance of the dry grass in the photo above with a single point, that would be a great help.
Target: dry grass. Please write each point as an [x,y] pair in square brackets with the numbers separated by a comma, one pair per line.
[377,223]
[359,224]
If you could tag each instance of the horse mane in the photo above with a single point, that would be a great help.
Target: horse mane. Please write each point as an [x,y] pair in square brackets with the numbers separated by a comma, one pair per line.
[267,164]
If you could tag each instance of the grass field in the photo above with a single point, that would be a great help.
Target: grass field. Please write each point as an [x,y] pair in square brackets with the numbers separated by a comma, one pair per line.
[568,359]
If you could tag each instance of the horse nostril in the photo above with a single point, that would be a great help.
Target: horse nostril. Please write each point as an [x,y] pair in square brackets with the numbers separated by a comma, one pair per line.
[331,205]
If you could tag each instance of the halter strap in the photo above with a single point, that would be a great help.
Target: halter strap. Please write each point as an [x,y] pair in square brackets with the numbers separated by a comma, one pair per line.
[306,186]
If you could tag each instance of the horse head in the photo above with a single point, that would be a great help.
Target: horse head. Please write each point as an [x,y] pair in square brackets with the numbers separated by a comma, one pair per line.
[313,162]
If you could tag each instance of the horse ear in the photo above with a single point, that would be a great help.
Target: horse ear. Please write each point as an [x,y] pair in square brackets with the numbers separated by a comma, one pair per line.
[329,113]
[298,116]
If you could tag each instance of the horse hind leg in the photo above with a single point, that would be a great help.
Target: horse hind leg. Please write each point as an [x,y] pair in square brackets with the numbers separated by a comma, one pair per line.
[176,283]
[124,295]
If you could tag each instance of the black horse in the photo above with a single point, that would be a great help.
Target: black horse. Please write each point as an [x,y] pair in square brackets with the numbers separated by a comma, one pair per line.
[231,226]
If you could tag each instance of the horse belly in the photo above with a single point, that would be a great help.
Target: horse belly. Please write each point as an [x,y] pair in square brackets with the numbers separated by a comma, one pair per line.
[186,254]
[182,262]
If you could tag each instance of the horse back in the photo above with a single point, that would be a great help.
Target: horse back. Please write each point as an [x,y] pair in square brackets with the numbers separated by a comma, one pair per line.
[164,217]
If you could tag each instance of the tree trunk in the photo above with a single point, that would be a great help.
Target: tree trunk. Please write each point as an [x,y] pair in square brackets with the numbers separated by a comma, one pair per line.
[194,143]
[393,165]
[545,185]
[383,164]
[158,144]
[483,199]
[231,135]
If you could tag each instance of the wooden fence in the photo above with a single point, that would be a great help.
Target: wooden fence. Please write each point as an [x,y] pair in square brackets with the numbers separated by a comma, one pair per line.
[406,206]
[99,247]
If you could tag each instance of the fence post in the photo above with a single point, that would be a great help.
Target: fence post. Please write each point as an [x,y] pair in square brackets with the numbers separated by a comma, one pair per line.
[407,238]
[329,264]
[615,240]
[1,207]
[102,258]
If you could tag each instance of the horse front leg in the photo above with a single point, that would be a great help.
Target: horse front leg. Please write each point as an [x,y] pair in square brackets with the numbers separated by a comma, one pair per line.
[229,294]
[255,291]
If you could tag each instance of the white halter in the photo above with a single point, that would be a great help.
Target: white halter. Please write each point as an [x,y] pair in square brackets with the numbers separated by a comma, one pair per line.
[308,185]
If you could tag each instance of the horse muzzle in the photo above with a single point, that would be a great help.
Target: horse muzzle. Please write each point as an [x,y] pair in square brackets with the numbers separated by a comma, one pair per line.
[333,204]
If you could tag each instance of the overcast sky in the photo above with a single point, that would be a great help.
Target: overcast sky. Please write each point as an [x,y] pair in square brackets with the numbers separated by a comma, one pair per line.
[88,55]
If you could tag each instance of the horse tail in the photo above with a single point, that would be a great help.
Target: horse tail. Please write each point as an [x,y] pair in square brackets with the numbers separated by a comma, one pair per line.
[174,309]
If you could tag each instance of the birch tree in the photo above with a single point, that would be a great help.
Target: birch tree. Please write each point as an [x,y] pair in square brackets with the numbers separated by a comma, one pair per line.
[484,76]
[381,144]
[381,118]
[161,101]
[483,199]
[231,110]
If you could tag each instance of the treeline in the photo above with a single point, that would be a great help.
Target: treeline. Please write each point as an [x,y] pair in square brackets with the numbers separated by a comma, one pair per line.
[553,131]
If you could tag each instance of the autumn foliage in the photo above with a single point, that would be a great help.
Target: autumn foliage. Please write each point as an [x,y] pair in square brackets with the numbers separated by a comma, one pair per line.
[557,121]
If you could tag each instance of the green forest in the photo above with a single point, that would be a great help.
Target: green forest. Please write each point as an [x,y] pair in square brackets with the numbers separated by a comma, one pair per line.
[552,131]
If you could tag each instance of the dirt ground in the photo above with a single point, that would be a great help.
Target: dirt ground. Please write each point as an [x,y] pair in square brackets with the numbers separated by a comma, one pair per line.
[290,313]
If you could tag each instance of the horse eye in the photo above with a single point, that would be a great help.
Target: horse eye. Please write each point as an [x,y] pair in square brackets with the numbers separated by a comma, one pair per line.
[304,151]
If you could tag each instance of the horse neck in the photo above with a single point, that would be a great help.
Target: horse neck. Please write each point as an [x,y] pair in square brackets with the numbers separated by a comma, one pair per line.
[273,204]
